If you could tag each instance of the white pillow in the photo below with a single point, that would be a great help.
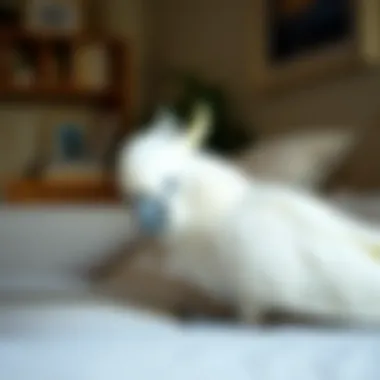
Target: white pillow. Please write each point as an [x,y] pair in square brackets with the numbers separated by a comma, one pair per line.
[298,158]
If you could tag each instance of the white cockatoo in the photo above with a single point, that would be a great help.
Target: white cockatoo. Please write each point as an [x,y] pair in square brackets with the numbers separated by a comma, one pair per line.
[255,245]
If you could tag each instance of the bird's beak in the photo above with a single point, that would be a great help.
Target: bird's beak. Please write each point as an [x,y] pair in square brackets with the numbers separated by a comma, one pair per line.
[151,214]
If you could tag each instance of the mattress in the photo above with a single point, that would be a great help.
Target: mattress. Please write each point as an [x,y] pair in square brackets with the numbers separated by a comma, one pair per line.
[99,340]
[52,328]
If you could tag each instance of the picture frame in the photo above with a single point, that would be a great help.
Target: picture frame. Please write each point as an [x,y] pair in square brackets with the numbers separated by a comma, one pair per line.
[64,17]
[69,143]
[355,50]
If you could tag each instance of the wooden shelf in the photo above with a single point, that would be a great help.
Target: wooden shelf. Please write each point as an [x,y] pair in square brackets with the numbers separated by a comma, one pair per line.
[56,94]
[102,191]
[11,34]
[44,78]
[65,87]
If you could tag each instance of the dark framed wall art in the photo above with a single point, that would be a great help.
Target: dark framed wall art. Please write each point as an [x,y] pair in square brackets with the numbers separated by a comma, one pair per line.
[305,40]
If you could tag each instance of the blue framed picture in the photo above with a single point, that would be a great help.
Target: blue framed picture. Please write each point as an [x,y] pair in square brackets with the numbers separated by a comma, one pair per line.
[71,143]
[301,26]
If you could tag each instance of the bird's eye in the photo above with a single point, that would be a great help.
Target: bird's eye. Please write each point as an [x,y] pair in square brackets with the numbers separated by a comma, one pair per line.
[170,185]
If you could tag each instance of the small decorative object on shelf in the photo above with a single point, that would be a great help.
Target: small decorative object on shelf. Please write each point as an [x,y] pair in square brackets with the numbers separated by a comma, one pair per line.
[71,143]
[54,16]
[71,157]
[91,67]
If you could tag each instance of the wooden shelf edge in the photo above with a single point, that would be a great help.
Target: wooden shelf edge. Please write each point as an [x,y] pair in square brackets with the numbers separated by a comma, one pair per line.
[62,192]
[57,93]
[9,34]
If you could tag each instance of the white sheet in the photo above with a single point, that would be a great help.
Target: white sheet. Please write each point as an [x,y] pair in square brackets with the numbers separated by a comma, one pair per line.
[98,341]
[93,340]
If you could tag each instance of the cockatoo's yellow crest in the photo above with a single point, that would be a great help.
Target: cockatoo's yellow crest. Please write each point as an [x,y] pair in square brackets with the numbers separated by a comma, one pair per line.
[375,252]
[199,125]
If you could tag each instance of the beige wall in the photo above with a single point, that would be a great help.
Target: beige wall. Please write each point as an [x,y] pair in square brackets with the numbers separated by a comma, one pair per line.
[125,18]
[350,102]
[206,36]
[219,39]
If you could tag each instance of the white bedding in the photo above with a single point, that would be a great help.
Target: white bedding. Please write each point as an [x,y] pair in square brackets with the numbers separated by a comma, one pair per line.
[48,331]
[96,340]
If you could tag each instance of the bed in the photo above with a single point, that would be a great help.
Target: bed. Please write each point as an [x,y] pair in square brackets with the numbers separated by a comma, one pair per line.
[96,339]
[54,326]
